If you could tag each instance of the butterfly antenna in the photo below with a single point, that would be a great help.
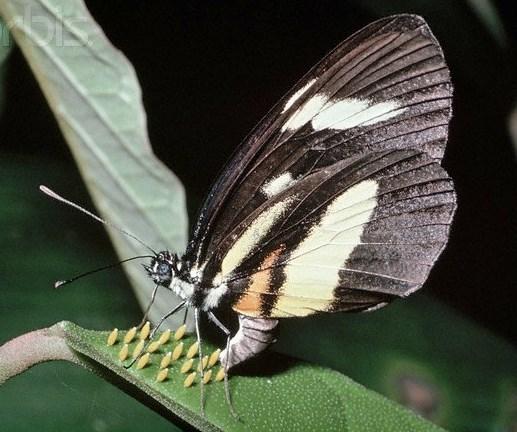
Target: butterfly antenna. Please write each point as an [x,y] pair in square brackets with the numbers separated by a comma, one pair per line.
[60,283]
[57,197]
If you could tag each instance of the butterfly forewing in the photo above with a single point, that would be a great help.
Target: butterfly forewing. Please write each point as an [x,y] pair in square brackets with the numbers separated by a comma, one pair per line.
[337,201]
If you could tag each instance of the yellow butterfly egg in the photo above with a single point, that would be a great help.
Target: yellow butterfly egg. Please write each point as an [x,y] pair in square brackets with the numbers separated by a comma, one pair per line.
[112,338]
[130,335]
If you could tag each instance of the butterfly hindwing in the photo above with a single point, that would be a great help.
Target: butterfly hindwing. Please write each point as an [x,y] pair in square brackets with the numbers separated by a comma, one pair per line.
[362,134]
[362,232]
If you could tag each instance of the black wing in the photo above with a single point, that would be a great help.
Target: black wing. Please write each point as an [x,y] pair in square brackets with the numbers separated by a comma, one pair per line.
[387,87]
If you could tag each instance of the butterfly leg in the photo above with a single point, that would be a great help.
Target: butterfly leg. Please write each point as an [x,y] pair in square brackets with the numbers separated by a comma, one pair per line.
[200,353]
[155,329]
[223,328]
[185,316]
[148,308]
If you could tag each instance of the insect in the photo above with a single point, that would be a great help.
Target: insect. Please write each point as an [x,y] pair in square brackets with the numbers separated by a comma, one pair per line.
[336,201]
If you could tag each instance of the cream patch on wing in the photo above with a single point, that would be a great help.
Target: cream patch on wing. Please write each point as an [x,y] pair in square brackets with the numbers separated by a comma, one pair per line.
[305,113]
[341,114]
[312,271]
[214,296]
[253,235]
[348,113]
[290,102]
[278,184]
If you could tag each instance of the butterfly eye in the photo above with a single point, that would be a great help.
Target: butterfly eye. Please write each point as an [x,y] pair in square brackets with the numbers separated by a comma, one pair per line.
[164,269]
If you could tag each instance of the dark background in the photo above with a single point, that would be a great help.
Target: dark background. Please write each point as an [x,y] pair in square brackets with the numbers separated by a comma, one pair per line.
[209,71]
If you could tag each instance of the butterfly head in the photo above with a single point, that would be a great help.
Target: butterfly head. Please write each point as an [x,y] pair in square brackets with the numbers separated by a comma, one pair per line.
[163,268]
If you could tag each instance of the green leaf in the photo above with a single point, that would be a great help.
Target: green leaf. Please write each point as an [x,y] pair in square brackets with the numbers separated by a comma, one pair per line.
[5,42]
[5,49]
[93,91]
[292,396]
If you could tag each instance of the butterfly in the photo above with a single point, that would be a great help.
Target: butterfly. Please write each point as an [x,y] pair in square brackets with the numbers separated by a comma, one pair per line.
[336,201]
